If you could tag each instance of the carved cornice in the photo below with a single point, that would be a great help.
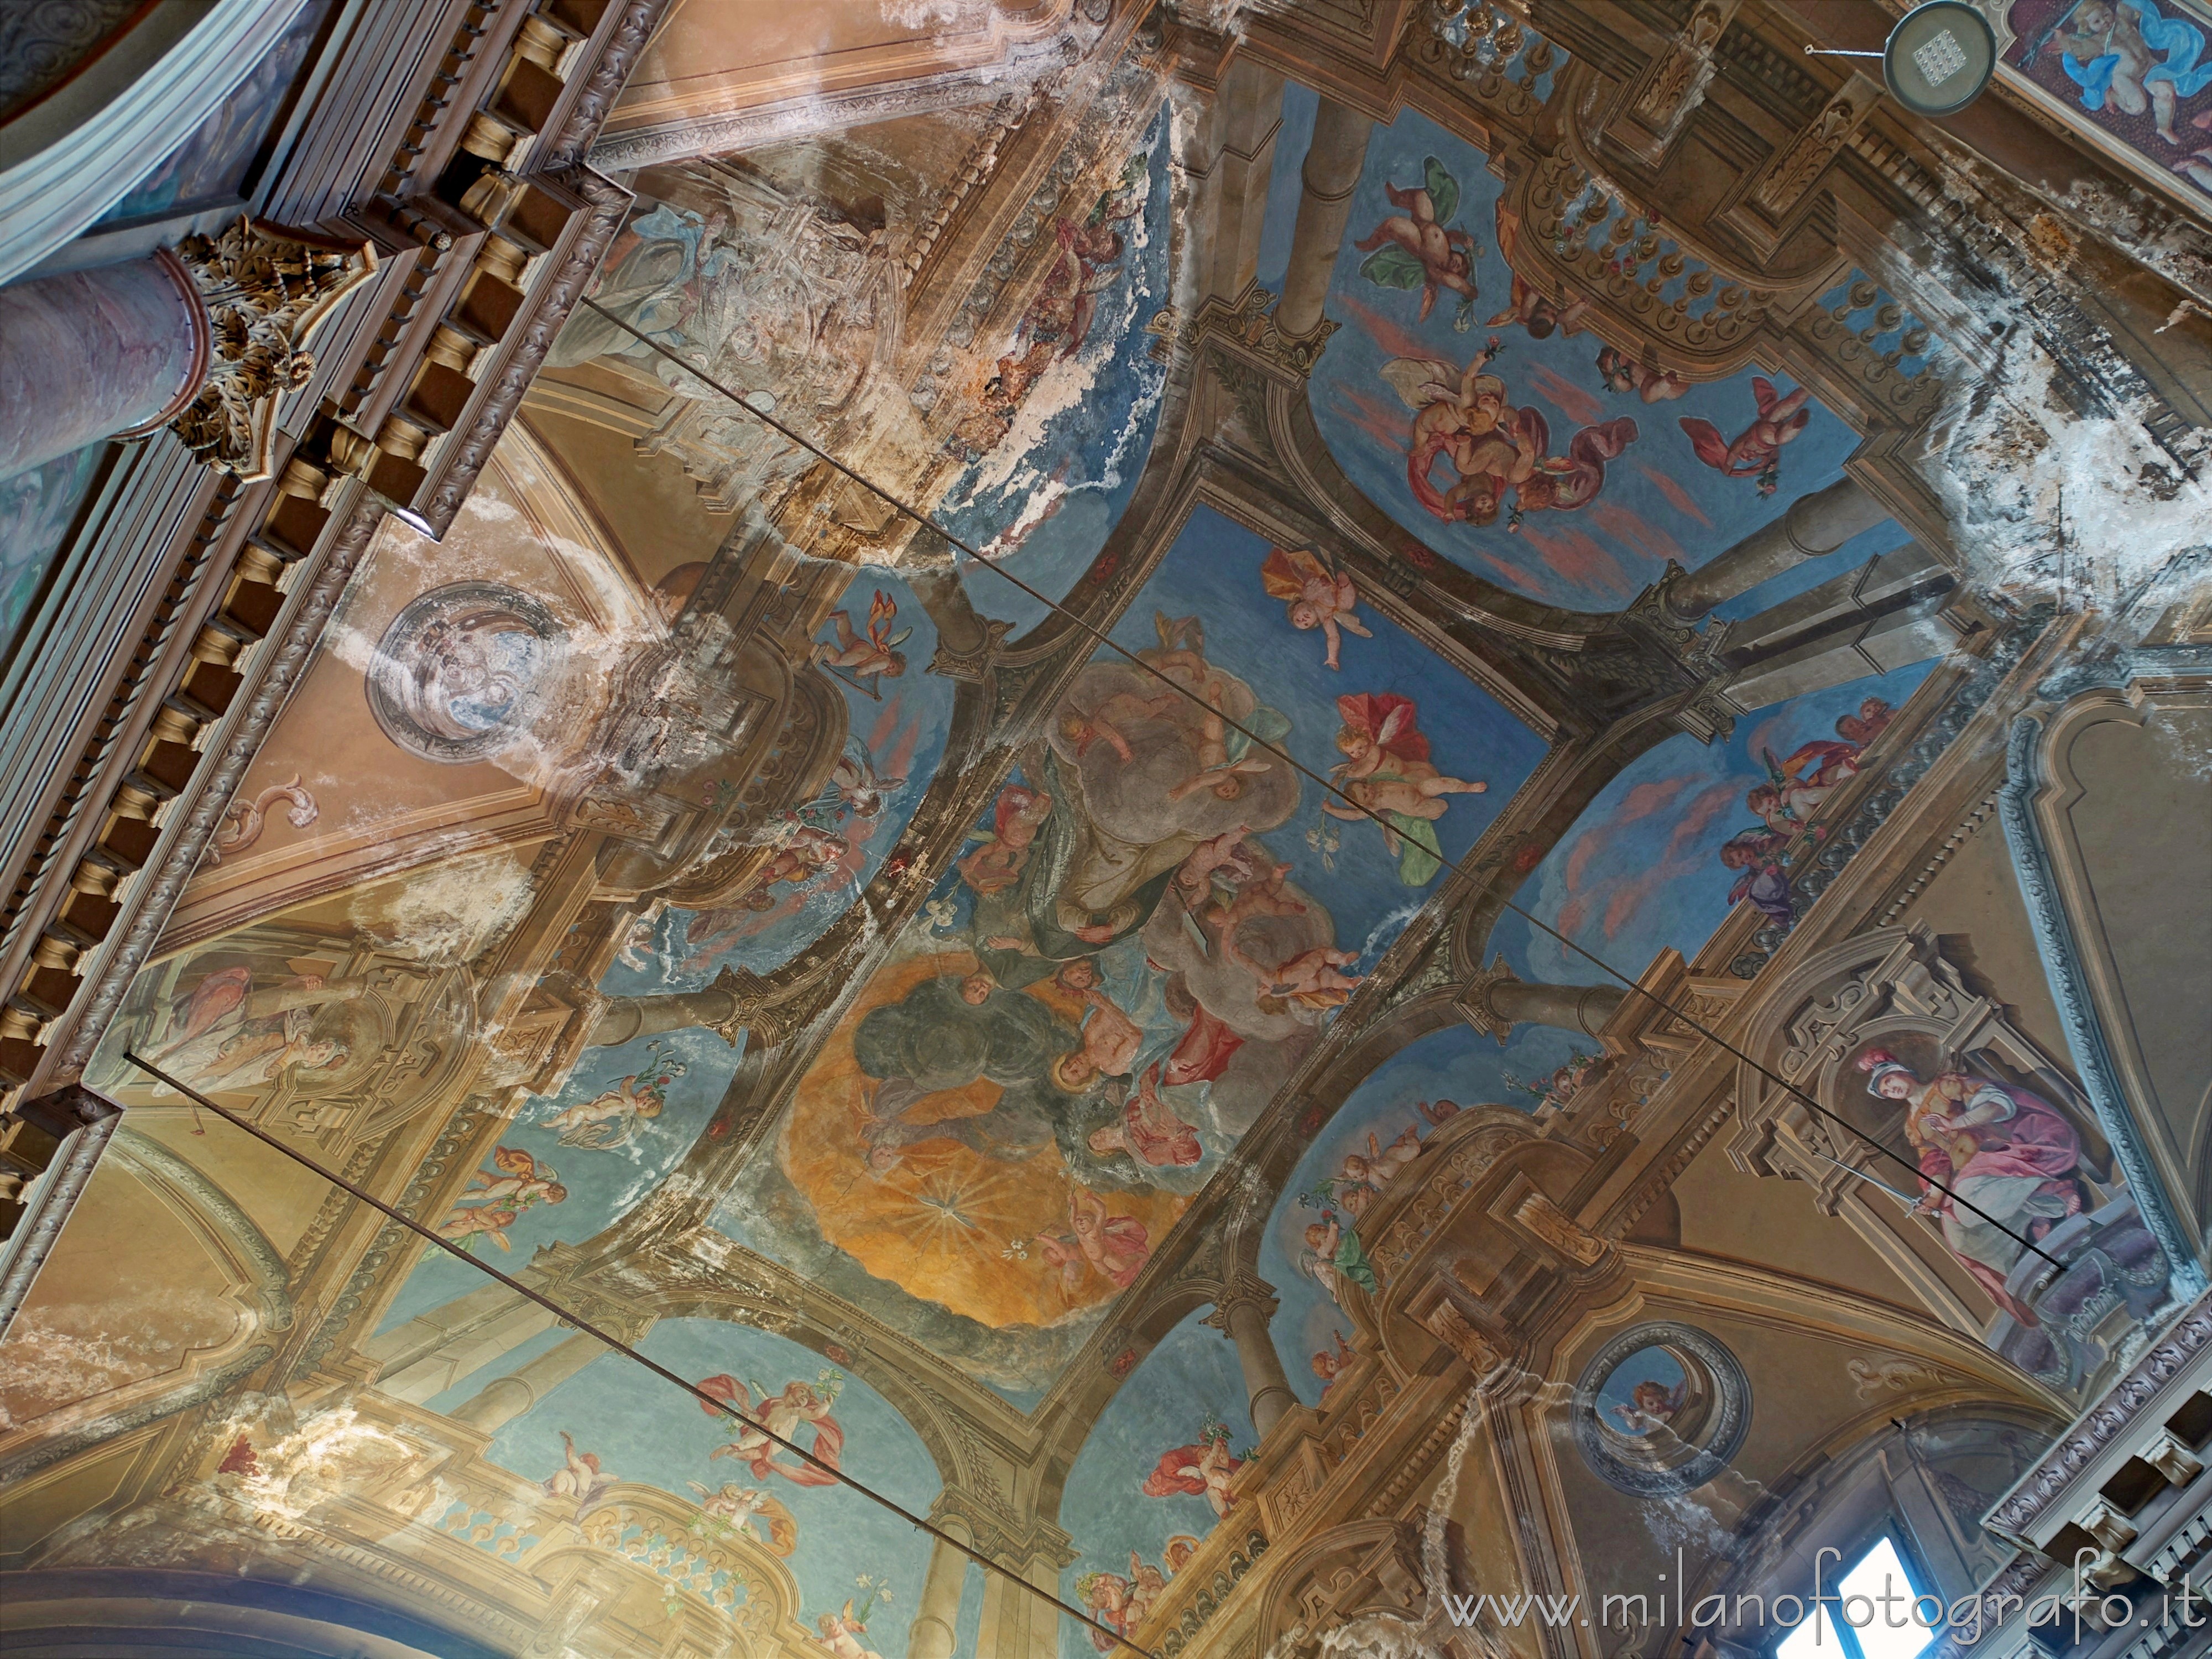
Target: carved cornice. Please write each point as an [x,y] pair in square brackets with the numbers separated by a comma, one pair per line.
[618,58]
[553,299]
[2017,1513]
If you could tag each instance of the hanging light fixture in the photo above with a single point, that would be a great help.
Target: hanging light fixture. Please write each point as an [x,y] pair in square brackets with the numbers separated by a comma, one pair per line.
[1938,59]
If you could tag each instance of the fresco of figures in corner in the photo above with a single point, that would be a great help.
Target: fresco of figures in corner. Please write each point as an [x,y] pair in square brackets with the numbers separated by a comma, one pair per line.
[1315,1252]
[1493,425]
[1152,1480]
[1688,832]
[783,278]
[1986,1115]
[1153,922]
[2138,72]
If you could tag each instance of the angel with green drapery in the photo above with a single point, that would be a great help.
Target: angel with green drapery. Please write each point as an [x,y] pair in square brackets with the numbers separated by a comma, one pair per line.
[1386,770]
[1415,249]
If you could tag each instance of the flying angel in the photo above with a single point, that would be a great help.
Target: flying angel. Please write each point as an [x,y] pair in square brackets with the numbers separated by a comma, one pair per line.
[1757,450]
[857,659]
[1318,595]
[752,1509]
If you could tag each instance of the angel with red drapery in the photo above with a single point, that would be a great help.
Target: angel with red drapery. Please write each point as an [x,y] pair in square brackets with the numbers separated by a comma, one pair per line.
[799,1404]
[1387,770]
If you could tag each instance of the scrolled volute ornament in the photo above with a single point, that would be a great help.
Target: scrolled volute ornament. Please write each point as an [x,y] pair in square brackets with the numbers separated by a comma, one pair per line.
[266,288]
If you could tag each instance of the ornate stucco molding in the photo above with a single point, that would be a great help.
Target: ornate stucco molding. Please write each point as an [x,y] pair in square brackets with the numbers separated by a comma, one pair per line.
[2020,1511]
[2069,989]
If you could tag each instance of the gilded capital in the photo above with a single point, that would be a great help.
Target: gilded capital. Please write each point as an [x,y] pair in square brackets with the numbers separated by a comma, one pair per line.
[266,288]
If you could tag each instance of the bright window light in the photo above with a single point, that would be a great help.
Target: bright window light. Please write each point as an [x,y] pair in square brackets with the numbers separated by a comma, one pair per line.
[1853,1621]
[1882,1630]
[1813,1639]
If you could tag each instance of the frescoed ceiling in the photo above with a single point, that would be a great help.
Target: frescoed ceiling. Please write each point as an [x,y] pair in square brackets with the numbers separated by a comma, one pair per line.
[1500,427]
[933,1011]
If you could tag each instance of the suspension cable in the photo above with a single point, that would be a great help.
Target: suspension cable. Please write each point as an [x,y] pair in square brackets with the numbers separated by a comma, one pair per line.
[713,1403]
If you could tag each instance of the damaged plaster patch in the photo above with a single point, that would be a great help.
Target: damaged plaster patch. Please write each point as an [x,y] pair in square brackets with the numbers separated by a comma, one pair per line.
[2017,467]
[446,914]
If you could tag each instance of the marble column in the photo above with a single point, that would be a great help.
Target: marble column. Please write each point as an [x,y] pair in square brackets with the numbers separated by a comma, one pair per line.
[1582,1008]
[1814,524]
[506,1398]
[114,351]
[930,1636]
[716,1007]
[1243,1313]
[1495,1002]
[1330,175]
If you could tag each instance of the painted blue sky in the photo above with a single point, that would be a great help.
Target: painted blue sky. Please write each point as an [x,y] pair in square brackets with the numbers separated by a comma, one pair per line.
[1189,1380]
[901,732]
[1212,572]
[1658,501]
[1640,871]
[602,1183]
[643,1429]
[1458,1064]
[1045,500]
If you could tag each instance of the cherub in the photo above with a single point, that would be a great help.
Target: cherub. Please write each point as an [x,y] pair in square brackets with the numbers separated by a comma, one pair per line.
[1654,1406]
[841,1633]
[1864,727]
[1328,1365]
[1618,371]
[1225,856]
[1334,1256]
[1413,249]
[579,1476]
[1317,595]
[610,1118]
[1149,1130]
[1103,724]
[782,1415]
[747,1507]
[2132,57]
[1203,1469]
[1386,770]
[1016,817]
[859,789]
[1434,1112]
[1147,1581]
[875,653]
[1795,787]
[1118,1246]
[1763,880]
[1380,1164]
[522,1182]
[1757,450]
[467,1224]
[1107,1595]
[1313,980]
[1539,315]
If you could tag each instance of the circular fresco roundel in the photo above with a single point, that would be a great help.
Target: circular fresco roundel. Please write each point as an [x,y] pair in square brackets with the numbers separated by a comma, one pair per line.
[463,670]
[1660,1409]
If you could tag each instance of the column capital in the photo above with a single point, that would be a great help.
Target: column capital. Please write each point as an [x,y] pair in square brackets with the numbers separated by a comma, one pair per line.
[1473,1000]
[266,287]
[1243,1290]
[1013,1541]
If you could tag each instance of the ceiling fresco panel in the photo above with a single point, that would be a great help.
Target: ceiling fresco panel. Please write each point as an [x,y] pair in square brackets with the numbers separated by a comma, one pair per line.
[612,1428]
[1312,1252]
[1688,831]
[1151,925]
[1496,427]
[1152,1481]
